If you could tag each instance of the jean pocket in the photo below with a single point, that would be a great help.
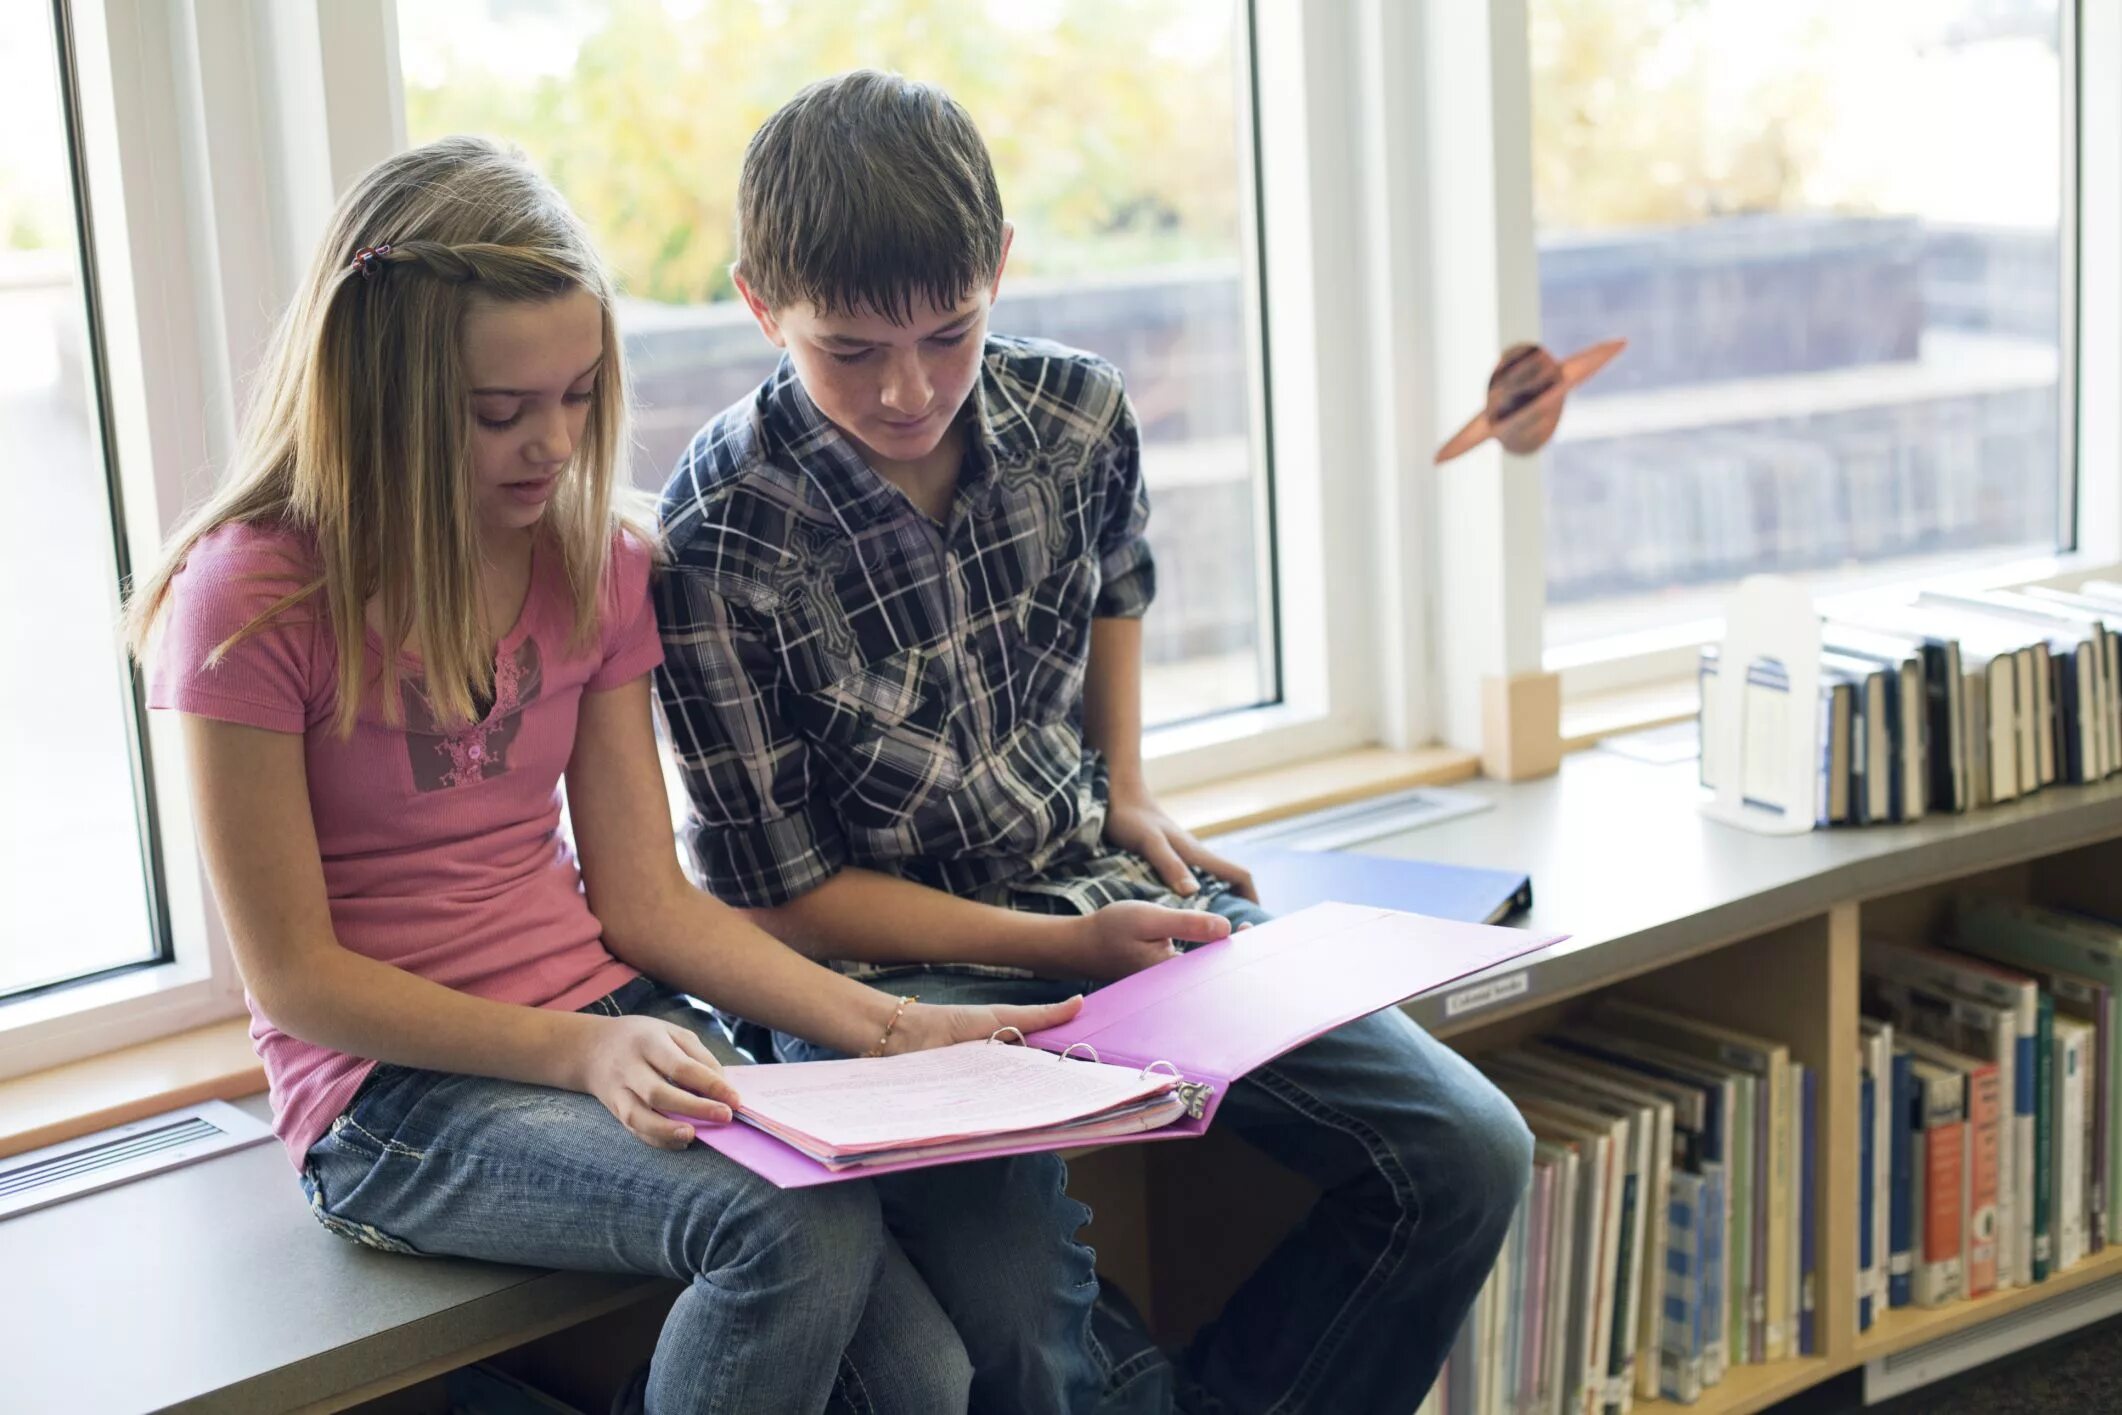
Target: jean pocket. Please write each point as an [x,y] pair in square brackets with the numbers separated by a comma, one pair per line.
[335,1163]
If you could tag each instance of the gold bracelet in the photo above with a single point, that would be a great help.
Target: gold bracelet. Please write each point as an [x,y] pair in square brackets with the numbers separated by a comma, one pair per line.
[885,1040]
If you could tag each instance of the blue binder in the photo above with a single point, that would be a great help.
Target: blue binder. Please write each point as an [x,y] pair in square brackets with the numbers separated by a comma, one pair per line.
[1294,879]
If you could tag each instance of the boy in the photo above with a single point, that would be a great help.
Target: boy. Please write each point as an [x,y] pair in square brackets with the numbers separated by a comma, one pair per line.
[902,626]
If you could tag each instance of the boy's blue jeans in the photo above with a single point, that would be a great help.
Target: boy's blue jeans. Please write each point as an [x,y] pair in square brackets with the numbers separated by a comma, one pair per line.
[796,1300]
[1420,1163]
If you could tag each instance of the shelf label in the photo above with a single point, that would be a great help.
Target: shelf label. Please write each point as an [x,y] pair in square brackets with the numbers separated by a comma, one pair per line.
[1485,994]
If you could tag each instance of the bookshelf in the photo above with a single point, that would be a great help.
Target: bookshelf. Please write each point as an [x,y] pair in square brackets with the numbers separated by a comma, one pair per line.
[1664,906]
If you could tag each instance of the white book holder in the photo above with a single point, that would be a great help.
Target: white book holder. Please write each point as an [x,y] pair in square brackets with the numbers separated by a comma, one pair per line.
[1761,710]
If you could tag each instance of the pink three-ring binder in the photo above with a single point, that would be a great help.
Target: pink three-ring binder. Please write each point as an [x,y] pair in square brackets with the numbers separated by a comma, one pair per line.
[1207,1017]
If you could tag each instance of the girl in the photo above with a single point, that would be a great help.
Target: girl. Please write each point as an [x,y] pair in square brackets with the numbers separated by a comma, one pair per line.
[411,610]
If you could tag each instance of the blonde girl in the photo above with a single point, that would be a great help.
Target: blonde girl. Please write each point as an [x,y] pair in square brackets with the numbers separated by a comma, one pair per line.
[415,607]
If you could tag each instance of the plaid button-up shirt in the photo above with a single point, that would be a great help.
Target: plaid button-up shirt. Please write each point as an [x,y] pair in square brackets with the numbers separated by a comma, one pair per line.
[847,682]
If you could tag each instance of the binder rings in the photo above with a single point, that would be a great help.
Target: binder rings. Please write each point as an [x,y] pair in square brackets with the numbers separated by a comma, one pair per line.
[1169,1040]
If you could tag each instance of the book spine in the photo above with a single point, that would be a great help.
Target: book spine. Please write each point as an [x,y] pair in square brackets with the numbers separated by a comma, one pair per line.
[2111,1033]
[1716,1276]
[1782,1336]
[2103,1106]
[1865,1202]
[1939,1276]
[1681,1331]
[2025,1153]
[2044,1139]
[1808,1217]
[2071,1072]
[1621,1338]
[1741,1254]
[1901,1166]
[1882,1165]
[1983,1116]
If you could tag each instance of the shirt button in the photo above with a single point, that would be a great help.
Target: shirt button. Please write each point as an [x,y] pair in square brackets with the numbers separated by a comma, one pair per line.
[477,752]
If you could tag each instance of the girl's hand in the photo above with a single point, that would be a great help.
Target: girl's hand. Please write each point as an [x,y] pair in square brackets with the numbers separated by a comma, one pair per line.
[922,1026]
[638,1066]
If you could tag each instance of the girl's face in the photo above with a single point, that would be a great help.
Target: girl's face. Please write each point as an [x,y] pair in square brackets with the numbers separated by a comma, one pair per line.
[533,367]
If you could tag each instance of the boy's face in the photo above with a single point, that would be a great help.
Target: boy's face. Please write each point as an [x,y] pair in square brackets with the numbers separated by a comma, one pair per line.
[894,388]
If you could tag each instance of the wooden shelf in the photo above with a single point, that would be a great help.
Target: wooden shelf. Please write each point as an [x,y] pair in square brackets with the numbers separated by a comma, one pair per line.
[1905,1327]
[1745,1389]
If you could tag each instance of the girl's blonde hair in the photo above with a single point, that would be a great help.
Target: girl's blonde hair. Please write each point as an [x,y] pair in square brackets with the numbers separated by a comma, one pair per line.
[359,432]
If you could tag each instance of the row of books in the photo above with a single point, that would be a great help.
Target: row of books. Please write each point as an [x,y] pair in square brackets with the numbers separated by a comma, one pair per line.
[1990,1153]
[1955,701]
[1667,1233]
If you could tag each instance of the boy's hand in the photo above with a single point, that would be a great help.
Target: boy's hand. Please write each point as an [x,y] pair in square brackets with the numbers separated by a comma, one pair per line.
[1134,822]
[1134,934]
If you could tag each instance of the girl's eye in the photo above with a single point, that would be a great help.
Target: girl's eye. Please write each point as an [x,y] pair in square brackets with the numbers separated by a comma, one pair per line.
[580,398]
[497,424]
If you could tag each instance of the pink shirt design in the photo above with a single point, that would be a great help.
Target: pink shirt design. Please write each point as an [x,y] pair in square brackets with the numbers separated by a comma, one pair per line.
[442,849]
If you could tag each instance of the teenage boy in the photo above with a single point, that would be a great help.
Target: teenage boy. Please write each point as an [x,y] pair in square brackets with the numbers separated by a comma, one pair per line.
[902,631]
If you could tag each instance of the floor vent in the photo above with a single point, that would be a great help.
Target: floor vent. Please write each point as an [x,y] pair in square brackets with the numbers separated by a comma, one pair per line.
[109,1157]
[1339,827]
[1970,1347]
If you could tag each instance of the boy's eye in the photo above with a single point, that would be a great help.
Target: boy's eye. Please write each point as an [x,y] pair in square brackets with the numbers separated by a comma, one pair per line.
[851,358]
[949,341]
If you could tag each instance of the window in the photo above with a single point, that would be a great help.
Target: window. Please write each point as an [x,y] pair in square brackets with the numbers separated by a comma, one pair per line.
[75,866]
[1121,143]
[1834,235]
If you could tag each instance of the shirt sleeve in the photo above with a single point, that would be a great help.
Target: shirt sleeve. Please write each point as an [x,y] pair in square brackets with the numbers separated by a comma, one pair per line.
[631,644]
[757,834]
[1127,571]
[229,586]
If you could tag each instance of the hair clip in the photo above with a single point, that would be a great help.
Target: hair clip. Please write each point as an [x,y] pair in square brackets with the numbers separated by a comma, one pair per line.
[369,257]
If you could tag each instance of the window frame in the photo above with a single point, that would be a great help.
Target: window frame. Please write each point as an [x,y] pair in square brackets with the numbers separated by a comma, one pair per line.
[213,139]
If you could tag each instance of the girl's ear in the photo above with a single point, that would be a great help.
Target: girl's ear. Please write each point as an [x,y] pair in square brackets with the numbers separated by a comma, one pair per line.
[765,317]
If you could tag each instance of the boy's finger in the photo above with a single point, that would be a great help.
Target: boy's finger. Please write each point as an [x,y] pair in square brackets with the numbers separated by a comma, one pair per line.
[1198,926]
[1169,867]
[1236,876]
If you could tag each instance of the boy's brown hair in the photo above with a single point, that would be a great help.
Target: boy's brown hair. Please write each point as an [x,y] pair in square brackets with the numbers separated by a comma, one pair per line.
[865,191]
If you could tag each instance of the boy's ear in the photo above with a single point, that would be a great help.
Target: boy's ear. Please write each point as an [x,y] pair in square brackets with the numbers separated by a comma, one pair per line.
[1009,233]
[767,324]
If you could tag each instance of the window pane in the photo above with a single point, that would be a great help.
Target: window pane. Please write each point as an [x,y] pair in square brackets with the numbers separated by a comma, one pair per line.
[1831,234]
[1116,132]
[72,870]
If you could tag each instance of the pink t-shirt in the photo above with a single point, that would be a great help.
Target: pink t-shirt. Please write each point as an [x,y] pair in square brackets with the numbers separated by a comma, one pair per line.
[442,850]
